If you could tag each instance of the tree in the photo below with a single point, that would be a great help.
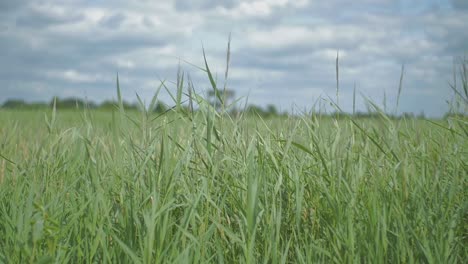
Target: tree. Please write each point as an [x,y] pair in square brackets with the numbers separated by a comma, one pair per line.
[14,103]
[271,110]
[253,109]
[160,107]
[109,105]
[71,103]
[21,104]
[225,95]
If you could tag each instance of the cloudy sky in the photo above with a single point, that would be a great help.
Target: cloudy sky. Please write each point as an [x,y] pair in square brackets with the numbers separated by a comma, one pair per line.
[283,51]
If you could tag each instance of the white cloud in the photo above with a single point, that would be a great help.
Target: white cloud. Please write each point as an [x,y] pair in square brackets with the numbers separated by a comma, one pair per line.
[129,64]
[259,8]
[75,76]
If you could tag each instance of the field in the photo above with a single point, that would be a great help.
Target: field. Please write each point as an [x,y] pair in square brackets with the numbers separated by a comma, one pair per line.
[136,187]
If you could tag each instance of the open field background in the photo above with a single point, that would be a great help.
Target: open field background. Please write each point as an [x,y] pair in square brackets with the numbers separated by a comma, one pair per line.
[136,187]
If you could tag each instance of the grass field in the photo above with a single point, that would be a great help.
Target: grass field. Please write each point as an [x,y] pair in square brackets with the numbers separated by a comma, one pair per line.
[90,186]
[118,186]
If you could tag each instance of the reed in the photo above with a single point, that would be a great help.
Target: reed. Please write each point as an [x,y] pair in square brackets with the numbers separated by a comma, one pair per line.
[204,186]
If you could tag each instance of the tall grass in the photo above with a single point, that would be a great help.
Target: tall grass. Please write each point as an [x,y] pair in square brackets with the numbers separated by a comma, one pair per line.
[203,186]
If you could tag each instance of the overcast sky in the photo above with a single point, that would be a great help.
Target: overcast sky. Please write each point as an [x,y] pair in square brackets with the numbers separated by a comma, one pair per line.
[283,51]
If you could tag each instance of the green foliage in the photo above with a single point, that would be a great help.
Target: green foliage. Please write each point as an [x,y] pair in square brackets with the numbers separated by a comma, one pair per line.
[160,107]
[183,186]
[161,189]
[71,103]
[109,105]
[21,104]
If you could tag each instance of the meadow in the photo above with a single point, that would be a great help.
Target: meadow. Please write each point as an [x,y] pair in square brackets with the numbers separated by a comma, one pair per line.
[203,186]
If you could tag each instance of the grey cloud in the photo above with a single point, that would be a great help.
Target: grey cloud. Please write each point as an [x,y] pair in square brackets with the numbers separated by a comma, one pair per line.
[147,22]
[447,31]
[10,5]
[112,45]
[114,21]
[460,4]
[382,38]
[184,5]
[23,66]
[38,18]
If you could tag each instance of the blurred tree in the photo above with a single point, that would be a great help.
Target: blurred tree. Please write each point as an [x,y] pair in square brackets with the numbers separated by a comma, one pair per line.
[21,104]
[108,105]
[253,109]
[271,110]
[71,103]
[225,95]
[160,107]
[14,103]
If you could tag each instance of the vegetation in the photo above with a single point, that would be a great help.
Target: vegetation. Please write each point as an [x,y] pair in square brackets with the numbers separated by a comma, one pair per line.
[269,111]
[77,104]
[204,186]
[66,103]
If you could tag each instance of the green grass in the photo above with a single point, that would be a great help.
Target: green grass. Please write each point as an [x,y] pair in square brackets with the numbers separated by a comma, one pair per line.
[133,187]
[205,187]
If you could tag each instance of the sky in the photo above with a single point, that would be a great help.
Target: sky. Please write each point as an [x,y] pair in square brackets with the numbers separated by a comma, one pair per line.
[283,52]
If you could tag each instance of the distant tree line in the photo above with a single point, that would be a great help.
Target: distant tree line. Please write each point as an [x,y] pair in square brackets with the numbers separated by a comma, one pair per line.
[370,114]
[75,103]
[160,107]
